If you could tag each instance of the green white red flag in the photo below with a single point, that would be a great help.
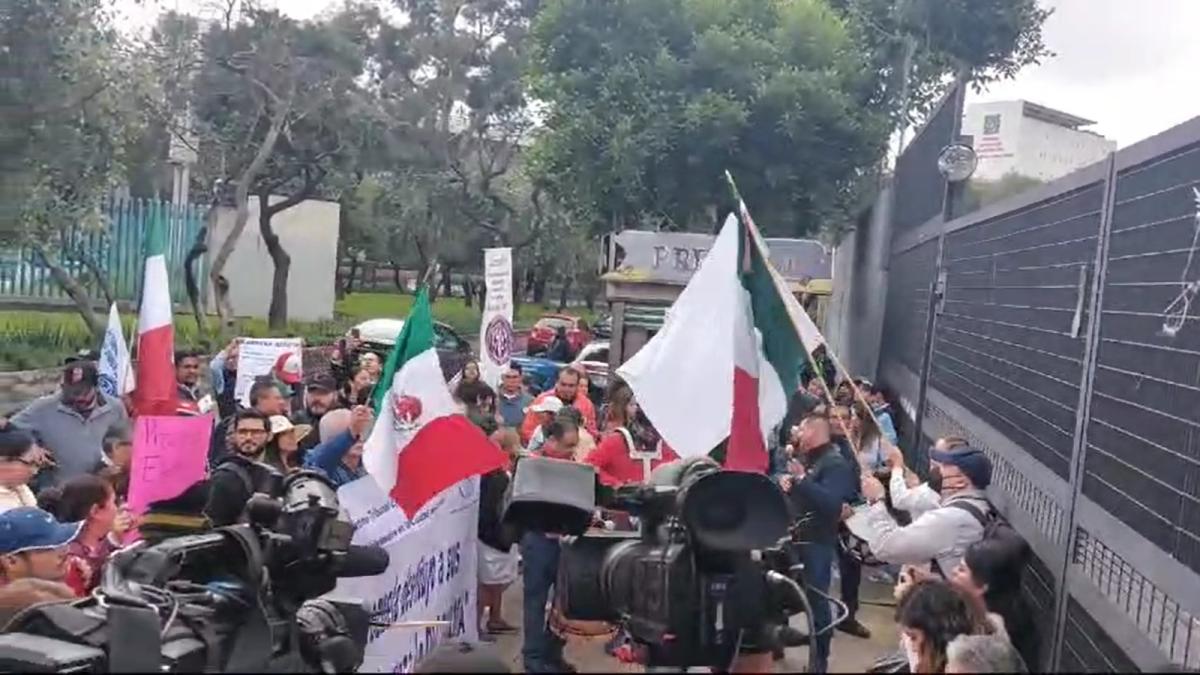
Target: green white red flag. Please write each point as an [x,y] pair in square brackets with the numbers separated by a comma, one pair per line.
[739,373]
[156,392]
[421,444]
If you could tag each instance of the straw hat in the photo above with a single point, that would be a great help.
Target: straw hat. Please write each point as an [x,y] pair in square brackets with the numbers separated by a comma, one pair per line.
[280,424]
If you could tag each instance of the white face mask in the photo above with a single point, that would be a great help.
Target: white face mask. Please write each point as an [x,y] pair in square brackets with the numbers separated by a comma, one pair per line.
[910,652]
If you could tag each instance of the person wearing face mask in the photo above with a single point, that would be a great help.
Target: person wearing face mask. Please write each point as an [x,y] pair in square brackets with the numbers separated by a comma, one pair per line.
[907,491]
[939,536]
[72,423]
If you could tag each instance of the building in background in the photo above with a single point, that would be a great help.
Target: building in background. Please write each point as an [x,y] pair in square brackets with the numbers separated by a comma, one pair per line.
[1030,140]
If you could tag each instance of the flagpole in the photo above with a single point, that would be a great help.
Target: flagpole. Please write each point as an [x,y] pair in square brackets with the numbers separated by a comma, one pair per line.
[781,286]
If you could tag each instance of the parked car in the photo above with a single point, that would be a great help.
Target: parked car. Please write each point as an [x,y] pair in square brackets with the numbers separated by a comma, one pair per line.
[378,335]
[602,329]
[593,359]
[542,333]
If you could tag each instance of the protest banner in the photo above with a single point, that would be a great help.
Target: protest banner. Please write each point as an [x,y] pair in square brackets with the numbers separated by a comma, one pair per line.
[496,330]
[256,357]
[430,576]
[169,454]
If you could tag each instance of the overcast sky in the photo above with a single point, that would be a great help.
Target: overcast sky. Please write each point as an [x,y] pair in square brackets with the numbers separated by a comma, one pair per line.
[1131,65]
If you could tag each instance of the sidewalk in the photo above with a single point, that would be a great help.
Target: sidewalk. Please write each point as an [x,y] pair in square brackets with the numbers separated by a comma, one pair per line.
[850,655]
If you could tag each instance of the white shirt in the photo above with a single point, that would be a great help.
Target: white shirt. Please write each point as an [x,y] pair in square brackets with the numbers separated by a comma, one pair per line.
[942,534]
[916,500]
[11,498]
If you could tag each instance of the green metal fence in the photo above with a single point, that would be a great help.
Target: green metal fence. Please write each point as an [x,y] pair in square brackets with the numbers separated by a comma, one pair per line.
[117,250]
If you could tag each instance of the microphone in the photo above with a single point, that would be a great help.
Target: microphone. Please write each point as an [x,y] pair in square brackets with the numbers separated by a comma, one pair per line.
[363,561]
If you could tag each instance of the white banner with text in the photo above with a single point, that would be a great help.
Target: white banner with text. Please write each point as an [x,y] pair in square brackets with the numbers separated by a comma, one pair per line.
[496,330]
[430,576]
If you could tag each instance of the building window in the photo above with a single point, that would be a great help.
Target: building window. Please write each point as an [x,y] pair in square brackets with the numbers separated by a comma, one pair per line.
[991,125]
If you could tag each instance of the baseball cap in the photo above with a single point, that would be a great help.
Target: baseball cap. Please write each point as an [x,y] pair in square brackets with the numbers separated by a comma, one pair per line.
[550,404]
[288,368]
[321,381]
[974,464]
[280,424]
[28,528]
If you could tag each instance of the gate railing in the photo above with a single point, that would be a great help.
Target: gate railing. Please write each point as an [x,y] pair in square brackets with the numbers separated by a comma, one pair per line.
[116,248]
[1063,341]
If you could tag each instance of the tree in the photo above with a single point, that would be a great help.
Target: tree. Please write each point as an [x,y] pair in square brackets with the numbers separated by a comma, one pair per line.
[983,40]
[68,116]
[276,108]
[454,108]
[650,101]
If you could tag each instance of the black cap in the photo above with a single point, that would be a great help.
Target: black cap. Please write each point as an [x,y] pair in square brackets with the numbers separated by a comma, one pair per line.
[80,374]
[321,381]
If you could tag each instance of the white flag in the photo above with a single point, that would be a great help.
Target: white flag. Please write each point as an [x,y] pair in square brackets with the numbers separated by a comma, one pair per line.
[116,371]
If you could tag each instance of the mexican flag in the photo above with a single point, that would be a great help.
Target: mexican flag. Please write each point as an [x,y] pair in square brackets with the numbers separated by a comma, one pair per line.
[421,444]
[156,392]
[735,340]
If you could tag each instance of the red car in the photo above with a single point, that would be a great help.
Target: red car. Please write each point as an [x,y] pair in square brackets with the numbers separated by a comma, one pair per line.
[544,330]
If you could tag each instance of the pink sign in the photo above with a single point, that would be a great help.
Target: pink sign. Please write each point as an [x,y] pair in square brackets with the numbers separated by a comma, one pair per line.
[169,455]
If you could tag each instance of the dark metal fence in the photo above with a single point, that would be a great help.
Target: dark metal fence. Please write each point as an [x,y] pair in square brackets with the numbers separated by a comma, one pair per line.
[1065,342]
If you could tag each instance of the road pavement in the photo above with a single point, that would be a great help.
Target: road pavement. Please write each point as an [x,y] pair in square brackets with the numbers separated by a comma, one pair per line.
[850,654]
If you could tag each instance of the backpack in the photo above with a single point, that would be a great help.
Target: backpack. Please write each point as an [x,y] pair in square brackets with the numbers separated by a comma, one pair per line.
[995,526]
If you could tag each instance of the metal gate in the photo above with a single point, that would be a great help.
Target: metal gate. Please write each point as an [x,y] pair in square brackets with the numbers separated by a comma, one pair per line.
[1056,330]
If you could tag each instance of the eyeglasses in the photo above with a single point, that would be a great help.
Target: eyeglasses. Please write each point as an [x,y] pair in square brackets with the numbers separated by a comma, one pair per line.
[251,432]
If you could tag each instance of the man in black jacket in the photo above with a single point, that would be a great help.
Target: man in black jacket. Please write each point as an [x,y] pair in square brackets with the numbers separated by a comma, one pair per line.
[265,399]
[821,486]
[241,473]
[320,396]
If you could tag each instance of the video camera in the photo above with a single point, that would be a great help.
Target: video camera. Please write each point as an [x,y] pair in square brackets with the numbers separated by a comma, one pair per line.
[240,598]
[710,575]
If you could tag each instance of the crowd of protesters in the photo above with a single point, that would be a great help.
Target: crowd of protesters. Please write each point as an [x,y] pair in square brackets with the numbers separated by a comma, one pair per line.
[65,462]
[65,459]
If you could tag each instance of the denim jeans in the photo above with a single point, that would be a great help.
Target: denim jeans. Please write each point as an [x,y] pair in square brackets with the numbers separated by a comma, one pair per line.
[541,649]
[850,570]
[818,562]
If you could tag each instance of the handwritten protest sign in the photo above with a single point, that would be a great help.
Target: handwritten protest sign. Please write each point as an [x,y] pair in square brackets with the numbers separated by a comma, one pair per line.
[169,454]
[256,357]
[430,575]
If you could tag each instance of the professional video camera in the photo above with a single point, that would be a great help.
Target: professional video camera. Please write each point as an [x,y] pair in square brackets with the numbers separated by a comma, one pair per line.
[240,598]
[710,575]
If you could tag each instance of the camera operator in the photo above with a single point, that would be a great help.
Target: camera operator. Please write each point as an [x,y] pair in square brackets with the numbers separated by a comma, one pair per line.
[231,485]
[823,483]
[541,649]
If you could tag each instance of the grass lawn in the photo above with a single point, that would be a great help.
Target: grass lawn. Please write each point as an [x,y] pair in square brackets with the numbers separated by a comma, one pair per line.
[41,339]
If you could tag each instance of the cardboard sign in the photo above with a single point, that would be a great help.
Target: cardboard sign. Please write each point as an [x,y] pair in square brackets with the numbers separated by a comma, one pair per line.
[257,357]
[169,455]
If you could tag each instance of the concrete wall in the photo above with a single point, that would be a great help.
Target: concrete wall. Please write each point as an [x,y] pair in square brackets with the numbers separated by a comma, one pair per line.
[1027,145]
[309,233]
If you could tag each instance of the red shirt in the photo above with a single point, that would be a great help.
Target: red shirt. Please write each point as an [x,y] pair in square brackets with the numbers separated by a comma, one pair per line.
[615,466]
[581,403]
[84,564]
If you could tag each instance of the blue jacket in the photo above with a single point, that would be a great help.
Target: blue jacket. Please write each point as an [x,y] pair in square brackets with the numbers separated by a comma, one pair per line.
[828,483]
[328,458]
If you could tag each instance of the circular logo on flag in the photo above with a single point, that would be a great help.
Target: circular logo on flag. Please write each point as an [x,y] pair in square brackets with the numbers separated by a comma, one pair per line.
[406,410]
[498,340]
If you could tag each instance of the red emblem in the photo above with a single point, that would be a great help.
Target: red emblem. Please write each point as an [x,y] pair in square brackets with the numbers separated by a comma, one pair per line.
[406,410]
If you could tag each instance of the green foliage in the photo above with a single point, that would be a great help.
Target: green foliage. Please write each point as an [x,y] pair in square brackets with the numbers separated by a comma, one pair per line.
[32,339]
[989,40]
[652,100]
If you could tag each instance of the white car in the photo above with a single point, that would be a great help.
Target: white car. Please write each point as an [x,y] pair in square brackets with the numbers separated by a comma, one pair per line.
[593,359]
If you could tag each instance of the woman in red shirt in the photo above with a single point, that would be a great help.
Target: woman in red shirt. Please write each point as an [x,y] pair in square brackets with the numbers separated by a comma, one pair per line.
[630,452]
[90,499]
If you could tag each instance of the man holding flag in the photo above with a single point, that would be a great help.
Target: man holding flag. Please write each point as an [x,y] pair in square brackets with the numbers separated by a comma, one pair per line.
[751,371]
